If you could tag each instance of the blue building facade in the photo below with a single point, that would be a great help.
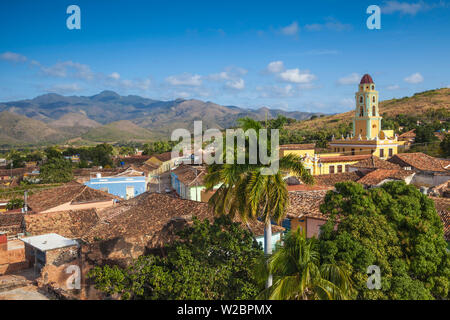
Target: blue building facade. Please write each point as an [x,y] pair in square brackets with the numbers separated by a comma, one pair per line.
[124,187]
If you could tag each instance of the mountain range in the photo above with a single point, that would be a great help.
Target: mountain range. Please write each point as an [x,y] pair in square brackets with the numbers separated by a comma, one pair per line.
[110,117]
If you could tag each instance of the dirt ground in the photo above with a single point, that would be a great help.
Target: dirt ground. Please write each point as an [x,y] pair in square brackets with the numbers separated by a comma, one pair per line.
[19,286]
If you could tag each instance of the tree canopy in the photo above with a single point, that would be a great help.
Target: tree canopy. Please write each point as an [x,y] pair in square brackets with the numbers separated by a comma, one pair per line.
[209,261]
[394,227]
[56,170]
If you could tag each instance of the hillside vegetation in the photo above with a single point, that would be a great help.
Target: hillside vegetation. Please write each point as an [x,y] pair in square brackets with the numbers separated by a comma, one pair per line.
[416,105]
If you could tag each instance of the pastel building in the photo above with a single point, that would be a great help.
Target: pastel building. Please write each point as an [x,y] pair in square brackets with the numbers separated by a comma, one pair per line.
[122,186]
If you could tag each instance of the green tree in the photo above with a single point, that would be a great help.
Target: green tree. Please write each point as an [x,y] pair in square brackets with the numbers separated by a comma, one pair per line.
[15,203]
[245,190]
[425,134]
[445,145]
[394,227]
[299,275]
[209,261]
[53,152]
[56,170]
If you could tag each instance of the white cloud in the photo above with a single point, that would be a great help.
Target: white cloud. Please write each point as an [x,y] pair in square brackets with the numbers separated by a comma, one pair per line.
[353,78]
[390,7]
[414,78]
[114,75]
[297,76]
[393,87]
[13,57]
[275,66]
[347,102]
[236,84]
[185,79]
[230,73]
[291,29]
[65,88]
[66,68]
[331,24]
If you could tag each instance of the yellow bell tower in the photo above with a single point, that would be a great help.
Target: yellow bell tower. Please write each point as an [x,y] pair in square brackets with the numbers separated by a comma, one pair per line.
[367,120]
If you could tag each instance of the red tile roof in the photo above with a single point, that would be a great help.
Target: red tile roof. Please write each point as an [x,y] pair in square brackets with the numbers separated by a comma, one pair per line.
[73,192]
[366,79]
[374,162]
[333,178]
[306,204]
[305,187]
[419,161]
[408,135]
[149,216]
[190,175]
[357,157]
[305,146]
[379,175]
[443,209]
[71,224]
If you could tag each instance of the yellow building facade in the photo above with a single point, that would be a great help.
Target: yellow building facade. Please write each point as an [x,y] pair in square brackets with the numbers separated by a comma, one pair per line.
[367,138]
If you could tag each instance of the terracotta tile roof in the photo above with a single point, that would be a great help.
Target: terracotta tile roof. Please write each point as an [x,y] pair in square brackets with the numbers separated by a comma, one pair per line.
[375,163]
[356,157]
[377,176]
[138,160]
[333,178]
[408,135]
[306,204]
[306,146]
[190,175]
[11,223]
[16,171]
[149,216]
[166,156]
[366,79]
[71,192]
[71,224]
[443,209]
[305,187]
[89,172]
[420,161]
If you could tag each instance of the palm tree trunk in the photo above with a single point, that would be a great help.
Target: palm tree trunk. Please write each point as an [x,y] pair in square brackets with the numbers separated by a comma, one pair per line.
[268,248]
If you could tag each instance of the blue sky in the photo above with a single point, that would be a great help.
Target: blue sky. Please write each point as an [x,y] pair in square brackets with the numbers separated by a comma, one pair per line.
[293,55]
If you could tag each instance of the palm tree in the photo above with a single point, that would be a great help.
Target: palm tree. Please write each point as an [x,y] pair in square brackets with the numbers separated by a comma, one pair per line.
[298,274]
[245,191]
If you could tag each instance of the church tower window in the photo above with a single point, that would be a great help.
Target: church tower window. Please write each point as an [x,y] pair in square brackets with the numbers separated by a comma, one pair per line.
[373,99]
[373,111]
[361,111]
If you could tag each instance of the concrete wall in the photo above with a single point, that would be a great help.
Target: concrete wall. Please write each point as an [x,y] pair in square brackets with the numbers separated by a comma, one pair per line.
[118,185]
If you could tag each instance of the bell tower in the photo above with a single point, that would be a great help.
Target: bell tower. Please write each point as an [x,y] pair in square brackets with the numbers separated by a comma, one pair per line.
[367,120]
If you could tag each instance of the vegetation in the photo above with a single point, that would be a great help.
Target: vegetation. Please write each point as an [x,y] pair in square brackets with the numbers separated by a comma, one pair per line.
[209,261]
[299,275]
[394,227]
[445,145]
[56,170]
[249,192]
[14,203]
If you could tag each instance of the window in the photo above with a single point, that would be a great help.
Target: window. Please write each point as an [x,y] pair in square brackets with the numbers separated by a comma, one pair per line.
[373,99]
[339,167]
[390,152]
[353,152]
[373,87]
[361,99]
[347,168]
[361,111]
[331,169]
[373,111]
[381,153]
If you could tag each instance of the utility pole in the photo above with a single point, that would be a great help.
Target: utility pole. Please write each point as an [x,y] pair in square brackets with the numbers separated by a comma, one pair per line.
[25,201]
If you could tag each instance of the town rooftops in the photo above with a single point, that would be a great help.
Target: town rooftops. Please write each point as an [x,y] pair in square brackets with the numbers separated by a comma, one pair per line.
[333,178]
[420,161]
[306,204]
[308,146]
[163,157]
[366,79]
[443,209]
[190,175]
[72,192]
[408,134]
[150,216]
[375,163]
[71,223]
[49,241]
[379,175]
[356,157]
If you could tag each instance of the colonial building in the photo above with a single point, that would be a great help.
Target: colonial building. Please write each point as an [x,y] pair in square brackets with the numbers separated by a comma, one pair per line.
[367,136]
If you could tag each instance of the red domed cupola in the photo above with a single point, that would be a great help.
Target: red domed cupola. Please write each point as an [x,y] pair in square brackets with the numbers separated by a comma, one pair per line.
[366,79]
